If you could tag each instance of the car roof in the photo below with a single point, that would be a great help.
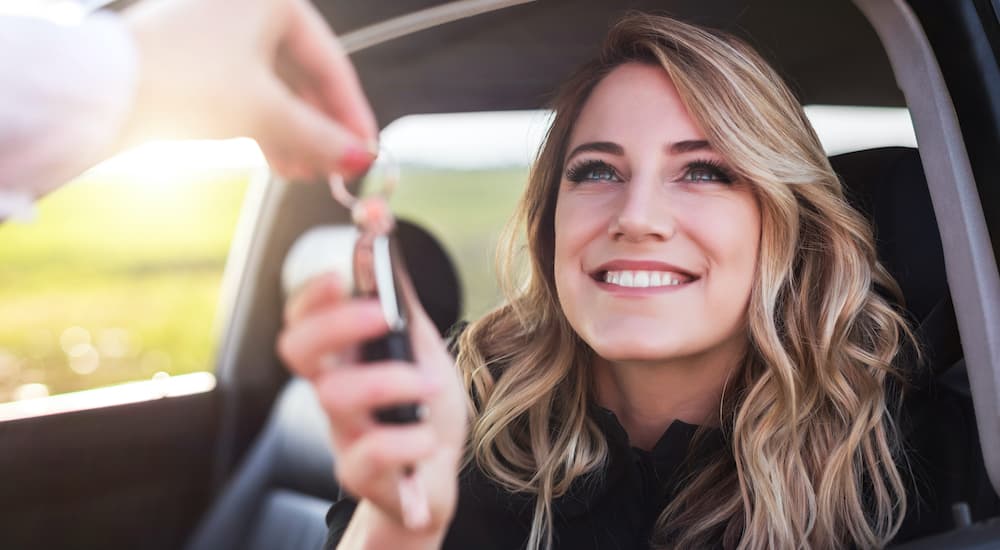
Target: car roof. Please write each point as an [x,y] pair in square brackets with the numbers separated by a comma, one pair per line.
[514,57]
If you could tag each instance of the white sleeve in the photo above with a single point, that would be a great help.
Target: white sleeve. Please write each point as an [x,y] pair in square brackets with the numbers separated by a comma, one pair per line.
[65,95]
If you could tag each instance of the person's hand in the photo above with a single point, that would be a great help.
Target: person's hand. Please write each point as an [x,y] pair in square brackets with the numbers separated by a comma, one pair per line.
[323,328]
[267,69]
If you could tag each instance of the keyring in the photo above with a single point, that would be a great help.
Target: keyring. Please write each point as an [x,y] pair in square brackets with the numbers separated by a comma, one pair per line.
[390,179]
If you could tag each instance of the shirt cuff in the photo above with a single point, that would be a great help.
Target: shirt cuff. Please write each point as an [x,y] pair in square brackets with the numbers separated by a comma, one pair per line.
[16,206]
[63,110]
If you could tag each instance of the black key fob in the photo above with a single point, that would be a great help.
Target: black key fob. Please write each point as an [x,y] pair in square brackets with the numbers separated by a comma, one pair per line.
[377,271]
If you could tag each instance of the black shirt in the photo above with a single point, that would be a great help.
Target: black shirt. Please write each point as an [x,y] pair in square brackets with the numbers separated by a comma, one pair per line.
[614,508]
[619,509]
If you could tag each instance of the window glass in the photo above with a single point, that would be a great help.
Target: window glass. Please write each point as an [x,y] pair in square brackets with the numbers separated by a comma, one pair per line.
[117,277]
[466,210]
[461,176]
[844,129]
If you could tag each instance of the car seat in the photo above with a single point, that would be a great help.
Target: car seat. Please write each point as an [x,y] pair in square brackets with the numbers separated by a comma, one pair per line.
[945,462]
[279,495]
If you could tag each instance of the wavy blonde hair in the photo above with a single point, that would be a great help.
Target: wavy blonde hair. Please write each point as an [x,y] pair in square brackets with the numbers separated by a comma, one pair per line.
[811,446]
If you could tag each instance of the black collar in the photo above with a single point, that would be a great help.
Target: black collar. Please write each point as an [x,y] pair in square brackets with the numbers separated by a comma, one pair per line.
[652,474]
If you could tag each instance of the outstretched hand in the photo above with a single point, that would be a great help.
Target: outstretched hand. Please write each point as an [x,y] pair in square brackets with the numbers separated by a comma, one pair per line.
[267,69]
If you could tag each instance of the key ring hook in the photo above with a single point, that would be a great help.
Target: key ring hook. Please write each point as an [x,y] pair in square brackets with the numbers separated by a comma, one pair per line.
[390,179]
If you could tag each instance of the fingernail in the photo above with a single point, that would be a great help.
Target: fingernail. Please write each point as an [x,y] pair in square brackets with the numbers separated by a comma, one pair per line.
[356,159]
[413,501]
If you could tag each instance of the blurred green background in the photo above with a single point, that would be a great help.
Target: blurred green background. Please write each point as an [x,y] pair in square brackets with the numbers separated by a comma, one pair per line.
[117,279]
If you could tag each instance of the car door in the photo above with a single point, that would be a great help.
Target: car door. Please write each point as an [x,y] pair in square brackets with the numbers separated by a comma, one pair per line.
[113,315]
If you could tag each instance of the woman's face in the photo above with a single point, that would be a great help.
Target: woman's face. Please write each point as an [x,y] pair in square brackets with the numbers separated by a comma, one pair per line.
[655,243]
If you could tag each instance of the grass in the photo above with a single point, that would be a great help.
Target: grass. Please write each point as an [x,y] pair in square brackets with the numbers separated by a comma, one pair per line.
[120,279]
[137,266]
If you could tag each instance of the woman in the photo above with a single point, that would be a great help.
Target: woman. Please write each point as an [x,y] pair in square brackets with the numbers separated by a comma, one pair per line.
[697,358]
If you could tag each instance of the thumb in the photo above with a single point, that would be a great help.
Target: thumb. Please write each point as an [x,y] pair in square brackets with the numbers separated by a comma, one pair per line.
[304,134]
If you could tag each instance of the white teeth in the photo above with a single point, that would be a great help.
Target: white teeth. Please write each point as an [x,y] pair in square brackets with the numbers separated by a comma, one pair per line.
[642,279]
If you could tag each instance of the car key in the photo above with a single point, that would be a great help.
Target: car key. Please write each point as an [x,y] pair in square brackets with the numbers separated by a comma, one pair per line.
[377,268]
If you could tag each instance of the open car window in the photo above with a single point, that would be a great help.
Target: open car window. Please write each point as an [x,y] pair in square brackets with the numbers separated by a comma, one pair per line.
[117,277]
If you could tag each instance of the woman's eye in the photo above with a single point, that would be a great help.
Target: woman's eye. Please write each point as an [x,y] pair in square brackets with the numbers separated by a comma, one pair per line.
[706,171]
[592,171]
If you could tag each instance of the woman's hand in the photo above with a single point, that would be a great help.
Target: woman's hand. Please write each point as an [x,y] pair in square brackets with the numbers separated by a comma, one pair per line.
[323,330]
[267,69]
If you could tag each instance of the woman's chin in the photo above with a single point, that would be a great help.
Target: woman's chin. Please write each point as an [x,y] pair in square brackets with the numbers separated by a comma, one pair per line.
[636,348]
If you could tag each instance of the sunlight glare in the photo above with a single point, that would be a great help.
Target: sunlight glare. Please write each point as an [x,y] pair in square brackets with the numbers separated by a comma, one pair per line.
[63,12]
[84,359]
[164,162]
[33,390]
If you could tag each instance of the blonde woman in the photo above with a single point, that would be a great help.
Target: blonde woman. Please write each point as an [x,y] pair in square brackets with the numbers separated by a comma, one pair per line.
[696,358]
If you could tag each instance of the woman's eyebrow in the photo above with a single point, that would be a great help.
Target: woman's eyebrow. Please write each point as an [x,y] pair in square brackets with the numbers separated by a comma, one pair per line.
[689,146]
[599,147]
[676,148]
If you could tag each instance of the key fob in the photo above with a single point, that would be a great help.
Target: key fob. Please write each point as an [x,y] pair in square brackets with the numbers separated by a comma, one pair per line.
[386,268]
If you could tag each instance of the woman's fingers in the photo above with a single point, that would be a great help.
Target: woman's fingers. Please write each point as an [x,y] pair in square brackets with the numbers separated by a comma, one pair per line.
[371,466]
[350,394]
[319,292]
[332,330]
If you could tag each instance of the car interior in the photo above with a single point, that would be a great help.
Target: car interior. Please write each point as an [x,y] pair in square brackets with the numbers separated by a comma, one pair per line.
[247,465]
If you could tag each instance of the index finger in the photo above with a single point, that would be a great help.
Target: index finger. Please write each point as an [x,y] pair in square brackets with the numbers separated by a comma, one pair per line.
[316,293]
[312,45]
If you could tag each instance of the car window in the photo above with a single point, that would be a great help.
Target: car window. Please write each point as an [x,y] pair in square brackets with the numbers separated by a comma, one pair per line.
[116,279]
[460,178]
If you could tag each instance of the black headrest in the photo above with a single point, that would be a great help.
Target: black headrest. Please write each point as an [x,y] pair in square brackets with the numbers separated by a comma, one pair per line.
[889,187]
[433,274]
[327,248]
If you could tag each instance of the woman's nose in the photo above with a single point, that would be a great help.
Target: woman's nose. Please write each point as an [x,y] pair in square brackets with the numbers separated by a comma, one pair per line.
[644,213]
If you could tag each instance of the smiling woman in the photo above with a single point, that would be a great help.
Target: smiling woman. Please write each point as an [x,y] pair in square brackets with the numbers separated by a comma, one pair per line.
[754,377]
[647,210]
[697,356]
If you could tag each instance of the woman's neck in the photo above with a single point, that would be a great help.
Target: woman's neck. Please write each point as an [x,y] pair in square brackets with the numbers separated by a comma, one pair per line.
[648,397]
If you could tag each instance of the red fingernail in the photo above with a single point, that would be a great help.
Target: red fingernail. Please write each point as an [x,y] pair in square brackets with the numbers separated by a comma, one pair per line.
[356,159]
